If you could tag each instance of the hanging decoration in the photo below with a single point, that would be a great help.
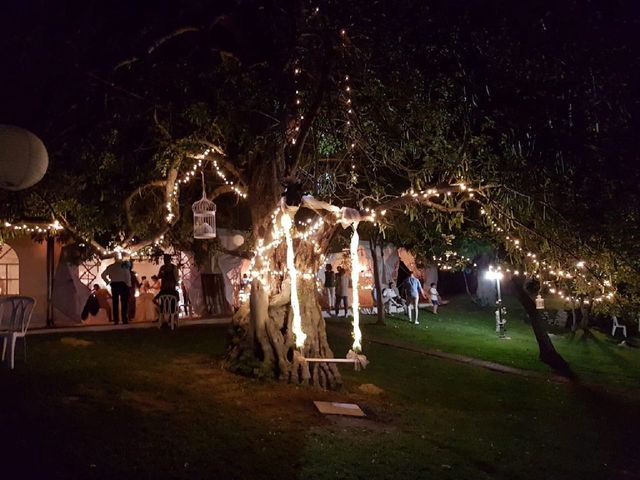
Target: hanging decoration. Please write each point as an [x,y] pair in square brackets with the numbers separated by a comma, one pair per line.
[326,184]
[539,302]
[23,158]
[300,336]
[204,216]
[355,276]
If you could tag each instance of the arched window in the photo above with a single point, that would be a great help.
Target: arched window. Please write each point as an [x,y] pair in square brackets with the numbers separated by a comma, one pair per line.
[9,271]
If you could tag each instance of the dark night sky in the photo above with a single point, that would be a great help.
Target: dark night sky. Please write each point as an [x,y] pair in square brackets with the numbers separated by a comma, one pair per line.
[48,48]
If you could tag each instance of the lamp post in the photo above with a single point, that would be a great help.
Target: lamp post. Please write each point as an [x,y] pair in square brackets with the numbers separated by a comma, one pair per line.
[497,276]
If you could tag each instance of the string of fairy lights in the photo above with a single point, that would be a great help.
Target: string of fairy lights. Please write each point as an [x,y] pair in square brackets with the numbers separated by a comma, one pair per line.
[264,251]
[539,267]
[122,250]
[172,202]
[308,230]
[34,228]
[349,113]
[261,267]
[286,231]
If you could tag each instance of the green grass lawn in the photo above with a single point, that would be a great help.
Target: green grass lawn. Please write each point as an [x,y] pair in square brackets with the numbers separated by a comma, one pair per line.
[467,329]
[154,404]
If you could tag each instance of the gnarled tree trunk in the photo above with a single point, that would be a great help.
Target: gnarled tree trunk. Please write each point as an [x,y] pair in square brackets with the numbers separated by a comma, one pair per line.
[548,353]
[262,342]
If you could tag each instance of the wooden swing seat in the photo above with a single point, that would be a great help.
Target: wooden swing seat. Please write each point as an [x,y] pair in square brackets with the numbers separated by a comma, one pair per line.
[330,360]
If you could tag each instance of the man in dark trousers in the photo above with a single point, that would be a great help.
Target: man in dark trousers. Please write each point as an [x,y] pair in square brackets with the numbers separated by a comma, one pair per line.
[330,285]
[342,290]
[168,276]
[118,276]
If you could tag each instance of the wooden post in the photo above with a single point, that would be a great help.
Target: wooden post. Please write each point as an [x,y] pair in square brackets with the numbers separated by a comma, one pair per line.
[50,273]
[376,281]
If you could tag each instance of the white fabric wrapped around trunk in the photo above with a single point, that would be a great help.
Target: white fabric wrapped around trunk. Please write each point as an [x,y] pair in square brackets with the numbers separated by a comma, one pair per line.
[315,204]
[360,361]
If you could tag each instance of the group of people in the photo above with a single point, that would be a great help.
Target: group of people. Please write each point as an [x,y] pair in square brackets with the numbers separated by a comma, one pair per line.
[124,283]
[336,286]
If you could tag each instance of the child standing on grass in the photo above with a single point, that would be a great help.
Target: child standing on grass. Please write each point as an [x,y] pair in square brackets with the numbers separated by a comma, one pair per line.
[435,298]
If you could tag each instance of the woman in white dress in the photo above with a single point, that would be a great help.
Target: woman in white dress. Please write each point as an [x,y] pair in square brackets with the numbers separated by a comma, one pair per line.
[146,310]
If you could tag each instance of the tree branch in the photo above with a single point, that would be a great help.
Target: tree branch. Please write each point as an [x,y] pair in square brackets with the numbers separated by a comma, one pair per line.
[236,253]
[222,160]
[553,242]
[165,133]
[138,191]
[219,191]
[67,226]
[120,89]
[425,198]
[172,35]
[307,121]
[155,45]
[168,185]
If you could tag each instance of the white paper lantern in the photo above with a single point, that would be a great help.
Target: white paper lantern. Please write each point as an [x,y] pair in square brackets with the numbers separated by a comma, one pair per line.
[23,158]
[204,218]
[237,240]
[539,302]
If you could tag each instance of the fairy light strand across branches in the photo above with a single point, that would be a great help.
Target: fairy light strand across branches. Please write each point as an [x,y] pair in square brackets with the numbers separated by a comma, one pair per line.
[540,266]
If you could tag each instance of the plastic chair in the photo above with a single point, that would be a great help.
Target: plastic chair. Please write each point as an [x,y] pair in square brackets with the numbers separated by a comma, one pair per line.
[616,326]
[168,310]
[393,304]
[396,306]
[14,324]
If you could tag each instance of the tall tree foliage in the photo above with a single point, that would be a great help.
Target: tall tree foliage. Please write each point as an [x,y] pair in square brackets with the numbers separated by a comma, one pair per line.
[511,102]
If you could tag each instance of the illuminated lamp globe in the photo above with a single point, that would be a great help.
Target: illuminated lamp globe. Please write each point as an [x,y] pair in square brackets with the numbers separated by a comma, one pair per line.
[23,158]
[493,275]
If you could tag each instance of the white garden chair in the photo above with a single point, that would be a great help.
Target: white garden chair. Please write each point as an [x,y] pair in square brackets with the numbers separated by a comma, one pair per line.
[617,326]
[168,311]
[15,316]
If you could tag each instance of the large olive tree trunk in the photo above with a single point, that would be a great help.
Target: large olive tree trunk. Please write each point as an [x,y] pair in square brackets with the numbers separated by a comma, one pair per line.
[262,342]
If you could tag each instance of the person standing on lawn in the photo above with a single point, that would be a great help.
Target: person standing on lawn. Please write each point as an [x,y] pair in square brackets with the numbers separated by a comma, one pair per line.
[169,276]
[342,290]
[413,288]
[118,276]
[435,298]
[330,285]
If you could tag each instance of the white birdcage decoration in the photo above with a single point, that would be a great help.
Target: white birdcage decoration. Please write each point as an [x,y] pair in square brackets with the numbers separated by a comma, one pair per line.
[539,302]
[204,217]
